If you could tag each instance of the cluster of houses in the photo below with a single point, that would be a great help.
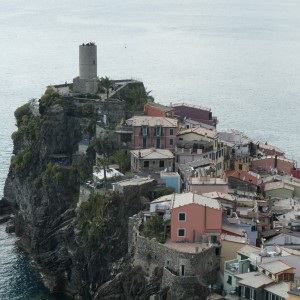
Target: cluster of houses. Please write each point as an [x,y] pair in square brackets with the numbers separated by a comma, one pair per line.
[231,192]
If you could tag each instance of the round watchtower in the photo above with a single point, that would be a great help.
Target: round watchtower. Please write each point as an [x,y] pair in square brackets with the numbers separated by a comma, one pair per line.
[88,61]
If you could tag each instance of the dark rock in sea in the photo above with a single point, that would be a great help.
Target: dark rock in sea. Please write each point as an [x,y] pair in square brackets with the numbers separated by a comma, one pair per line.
[5,207]
[10,226]
[4,218]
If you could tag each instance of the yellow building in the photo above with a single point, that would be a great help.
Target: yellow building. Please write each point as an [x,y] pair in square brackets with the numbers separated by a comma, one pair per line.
[230,245]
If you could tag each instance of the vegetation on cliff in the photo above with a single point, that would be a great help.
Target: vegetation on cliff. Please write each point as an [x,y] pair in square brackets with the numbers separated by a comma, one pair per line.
[50,98]
[135,97]
[79,249]
[93,217]
[155,228]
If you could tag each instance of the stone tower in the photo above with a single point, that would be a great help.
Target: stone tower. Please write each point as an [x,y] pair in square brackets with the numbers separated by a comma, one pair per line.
[87,81]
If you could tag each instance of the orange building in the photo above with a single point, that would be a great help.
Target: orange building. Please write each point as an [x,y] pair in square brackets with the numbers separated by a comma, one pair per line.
[157,110]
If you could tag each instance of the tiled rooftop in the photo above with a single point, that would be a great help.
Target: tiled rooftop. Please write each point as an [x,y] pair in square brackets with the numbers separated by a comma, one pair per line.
[254,279]
[152,121]
[275,267]
[199,131]
[152,153]
[279,289]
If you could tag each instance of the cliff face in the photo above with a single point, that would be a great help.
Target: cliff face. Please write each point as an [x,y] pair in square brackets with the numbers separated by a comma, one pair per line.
[82,251]
[43,189]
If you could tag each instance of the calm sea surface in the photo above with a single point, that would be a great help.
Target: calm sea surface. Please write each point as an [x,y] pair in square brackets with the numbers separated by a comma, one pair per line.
[241,58]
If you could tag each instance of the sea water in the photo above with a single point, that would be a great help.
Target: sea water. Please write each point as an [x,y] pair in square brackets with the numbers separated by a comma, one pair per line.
[240,58]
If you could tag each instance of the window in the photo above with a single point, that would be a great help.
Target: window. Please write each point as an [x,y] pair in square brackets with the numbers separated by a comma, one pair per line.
[213,239]
[144,142]
[146,164]
[158,143]
[242,291]
[181,232]
[181,217]
[229,280]
[158,131]
[252,294]
[171,142]
[171,131]
[247,292]
[161,163]
[144,130]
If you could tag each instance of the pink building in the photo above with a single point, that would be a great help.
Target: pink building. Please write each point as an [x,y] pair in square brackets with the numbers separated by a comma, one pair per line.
[153,132]
[195,218]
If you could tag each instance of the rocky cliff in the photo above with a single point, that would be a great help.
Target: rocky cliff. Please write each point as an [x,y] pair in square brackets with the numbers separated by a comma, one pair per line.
[79,250]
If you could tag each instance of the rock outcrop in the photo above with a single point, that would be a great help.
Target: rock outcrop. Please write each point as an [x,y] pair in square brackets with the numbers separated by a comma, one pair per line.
[81,250]
[42,190]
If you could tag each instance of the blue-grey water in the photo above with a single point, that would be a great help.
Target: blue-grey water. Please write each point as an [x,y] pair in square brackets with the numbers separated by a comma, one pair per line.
[241,58]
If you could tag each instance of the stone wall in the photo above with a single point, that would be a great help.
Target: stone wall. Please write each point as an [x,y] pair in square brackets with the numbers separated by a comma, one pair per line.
[113,110]
[149,254]
[136,189]
[184,287]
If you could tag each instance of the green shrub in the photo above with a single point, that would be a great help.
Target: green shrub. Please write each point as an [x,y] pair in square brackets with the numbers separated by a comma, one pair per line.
[21,161]
[22,112]
[49,98]
[93,217]
[154,228]
[53,172]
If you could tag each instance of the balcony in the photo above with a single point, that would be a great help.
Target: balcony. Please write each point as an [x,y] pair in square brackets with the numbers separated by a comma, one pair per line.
[232,266]
[124,129]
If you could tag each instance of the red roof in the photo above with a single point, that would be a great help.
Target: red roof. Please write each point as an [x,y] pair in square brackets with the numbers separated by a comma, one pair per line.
[242,175]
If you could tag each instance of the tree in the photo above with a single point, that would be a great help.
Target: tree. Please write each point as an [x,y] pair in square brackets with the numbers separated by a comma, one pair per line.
[22,111]
[106,83]
[154,228]
[105,146]
[135,97]
[50,98]
[140,97]
[123,160]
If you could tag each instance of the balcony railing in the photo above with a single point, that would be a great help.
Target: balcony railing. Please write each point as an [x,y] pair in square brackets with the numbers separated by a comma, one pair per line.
[124,129]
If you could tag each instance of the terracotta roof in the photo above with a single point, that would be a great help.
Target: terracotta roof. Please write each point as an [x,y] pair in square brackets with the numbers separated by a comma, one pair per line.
[189,198]
[152,121]
[177,200]
[220,195]
[280,289]
[160,106]
[152,153]
[254,279]
[276,267]
[247,250]
[191,105]
[200,131]
[242,175]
